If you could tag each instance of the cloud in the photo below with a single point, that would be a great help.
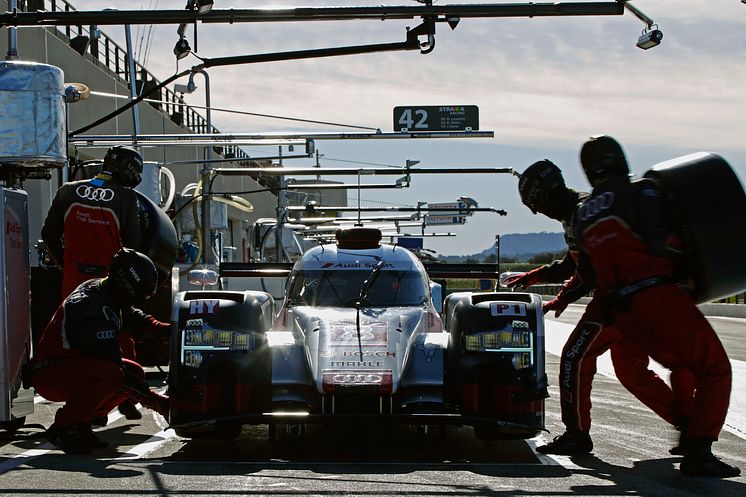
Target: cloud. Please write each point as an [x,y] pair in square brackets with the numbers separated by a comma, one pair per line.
[542,84]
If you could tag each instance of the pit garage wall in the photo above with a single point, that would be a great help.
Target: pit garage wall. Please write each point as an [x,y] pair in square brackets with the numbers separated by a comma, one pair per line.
[43,45]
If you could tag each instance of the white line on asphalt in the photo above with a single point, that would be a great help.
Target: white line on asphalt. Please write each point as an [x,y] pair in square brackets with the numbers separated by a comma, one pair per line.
[735,422]
[148,445]
[23,458]
[151,443]
[549,459]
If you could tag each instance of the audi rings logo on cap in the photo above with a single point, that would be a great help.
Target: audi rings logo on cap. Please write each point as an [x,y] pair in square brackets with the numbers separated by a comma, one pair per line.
[596,205]
[96,194]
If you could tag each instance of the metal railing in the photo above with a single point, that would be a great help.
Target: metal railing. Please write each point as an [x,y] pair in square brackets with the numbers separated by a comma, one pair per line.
[103,51]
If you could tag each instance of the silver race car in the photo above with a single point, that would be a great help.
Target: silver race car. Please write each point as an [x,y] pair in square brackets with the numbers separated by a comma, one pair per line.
[363,333]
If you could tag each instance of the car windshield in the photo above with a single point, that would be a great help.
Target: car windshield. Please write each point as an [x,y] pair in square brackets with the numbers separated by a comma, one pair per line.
[341,288]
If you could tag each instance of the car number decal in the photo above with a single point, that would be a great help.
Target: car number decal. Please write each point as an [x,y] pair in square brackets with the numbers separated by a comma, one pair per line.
[507,309]
[344,333]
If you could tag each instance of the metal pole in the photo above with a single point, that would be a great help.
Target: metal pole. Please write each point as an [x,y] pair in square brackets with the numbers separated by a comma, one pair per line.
[497,253]
[12,53]
[206,176]
[133,85]
[282,203]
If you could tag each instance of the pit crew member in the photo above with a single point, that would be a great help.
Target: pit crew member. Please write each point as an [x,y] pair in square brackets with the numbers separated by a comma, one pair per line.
[542,189]
[78,360]
[623,232]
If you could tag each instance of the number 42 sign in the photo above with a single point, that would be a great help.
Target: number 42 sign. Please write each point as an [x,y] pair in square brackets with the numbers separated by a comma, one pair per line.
[437,118]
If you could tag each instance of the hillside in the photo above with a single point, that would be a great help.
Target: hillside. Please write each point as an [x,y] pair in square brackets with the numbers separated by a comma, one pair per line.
[519,246]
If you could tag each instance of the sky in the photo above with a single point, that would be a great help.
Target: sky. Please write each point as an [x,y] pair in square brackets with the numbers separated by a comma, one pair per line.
[543,85]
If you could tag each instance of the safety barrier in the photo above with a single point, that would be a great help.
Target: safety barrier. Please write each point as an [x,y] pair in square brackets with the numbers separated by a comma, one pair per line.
[732,306]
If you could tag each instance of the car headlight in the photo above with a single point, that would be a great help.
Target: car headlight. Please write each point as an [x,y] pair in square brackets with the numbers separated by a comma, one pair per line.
[517,341]
[198,338]
[503,341]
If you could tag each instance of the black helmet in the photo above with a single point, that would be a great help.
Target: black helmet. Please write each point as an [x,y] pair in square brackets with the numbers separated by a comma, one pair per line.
[133,277]
[602,157]
[541,186]
[125,165]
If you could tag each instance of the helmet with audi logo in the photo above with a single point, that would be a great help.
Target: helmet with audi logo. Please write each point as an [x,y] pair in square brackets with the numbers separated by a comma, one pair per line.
[132,276]
[125,165]
[602,158]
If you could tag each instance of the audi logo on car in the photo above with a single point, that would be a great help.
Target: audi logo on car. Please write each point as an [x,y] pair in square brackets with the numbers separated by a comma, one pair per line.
[96,194]
[357,379]
[374,380]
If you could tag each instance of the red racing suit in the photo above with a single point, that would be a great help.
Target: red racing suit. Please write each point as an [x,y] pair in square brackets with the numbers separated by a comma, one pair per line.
[88,222]
[590,339]
[78,360]
[627,239]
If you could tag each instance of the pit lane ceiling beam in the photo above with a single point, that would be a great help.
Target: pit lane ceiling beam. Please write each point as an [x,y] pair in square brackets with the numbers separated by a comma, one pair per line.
[300,208]
[83,141]
[442,13]
[340,171]
[347,186]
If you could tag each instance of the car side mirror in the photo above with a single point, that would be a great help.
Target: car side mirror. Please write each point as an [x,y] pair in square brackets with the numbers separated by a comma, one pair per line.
[436,293]
[202,277]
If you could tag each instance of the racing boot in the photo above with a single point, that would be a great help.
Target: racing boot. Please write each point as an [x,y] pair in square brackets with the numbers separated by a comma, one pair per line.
[129,410]
[700,461]
[99,421]
[570,443]
[683,427]
[90,437]
[76,439]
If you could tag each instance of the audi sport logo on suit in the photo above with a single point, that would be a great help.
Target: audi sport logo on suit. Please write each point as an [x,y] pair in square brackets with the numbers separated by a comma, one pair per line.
[596,205]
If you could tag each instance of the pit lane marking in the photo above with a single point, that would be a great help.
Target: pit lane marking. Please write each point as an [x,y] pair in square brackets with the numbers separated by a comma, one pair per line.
[151,443]
[549,459]
[24,457]
[735,421]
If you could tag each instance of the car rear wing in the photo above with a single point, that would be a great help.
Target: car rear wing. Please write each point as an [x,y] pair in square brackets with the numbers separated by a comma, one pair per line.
[435,270]
[255,269]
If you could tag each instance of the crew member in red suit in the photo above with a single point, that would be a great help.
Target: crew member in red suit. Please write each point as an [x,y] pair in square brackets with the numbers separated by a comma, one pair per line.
[625,234]
[78,360]
[90,220]
[542,189]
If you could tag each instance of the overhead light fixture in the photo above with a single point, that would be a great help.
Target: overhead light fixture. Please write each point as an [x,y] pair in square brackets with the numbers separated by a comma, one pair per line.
[182,48]
[651,35]
[187,88]
[204,6]
[650,38]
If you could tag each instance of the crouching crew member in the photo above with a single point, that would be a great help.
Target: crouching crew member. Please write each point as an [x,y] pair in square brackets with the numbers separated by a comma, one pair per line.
[623,232]
[78,360]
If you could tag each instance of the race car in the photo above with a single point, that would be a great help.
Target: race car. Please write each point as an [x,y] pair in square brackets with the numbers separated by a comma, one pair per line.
[363,334]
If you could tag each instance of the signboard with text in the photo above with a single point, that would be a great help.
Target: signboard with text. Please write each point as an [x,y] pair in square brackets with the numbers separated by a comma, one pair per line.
[436,118]
[446,213]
